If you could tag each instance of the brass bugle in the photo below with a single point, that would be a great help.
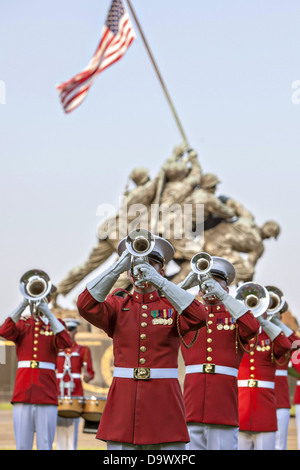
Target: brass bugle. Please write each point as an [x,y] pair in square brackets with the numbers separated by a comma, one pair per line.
[277,302]
[201,263]
[254,296]
[35,286]
[140,243]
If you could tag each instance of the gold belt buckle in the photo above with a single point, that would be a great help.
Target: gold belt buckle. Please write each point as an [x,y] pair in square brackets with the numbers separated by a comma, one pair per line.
[141,373]
[252,383]
[209,368]
[34,364]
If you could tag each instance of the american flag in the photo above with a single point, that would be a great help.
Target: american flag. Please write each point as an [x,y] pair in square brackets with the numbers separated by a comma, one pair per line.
[117,35]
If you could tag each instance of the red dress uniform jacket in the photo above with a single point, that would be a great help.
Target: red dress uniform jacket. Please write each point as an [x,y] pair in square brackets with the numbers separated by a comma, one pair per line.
[151,411]
[212,398]
[257,406]
[282,391]
[296,365]
[78,355]
[35,342]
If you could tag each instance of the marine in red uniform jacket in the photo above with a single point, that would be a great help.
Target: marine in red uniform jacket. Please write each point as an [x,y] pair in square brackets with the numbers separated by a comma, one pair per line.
[282,391]
[296,365]
[142,410]
[37,348]
[295,359]
[281,374]
[212,397]
[210,386]
[71,362]
[256,380]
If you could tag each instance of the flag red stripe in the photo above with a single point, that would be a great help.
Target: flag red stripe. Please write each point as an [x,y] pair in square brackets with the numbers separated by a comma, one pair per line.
[66,103]
[110,49]
[76,83]
[73,99]
[80,77]
[121,38]
[112,61]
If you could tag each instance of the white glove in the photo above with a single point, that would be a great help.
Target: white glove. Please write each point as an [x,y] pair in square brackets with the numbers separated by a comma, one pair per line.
[100,287]
[190,281]
[15,315]
[234,307]
[287,331]
[179,298]
[56,325]
[270,328]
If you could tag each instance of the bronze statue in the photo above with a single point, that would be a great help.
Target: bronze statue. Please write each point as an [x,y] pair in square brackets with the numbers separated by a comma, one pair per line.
[226,228]
[232,240]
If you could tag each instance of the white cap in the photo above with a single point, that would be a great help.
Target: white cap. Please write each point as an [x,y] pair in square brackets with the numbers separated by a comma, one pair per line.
[71,322]
[223,268]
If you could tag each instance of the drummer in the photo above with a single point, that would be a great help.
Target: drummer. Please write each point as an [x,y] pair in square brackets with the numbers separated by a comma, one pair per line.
[71,362]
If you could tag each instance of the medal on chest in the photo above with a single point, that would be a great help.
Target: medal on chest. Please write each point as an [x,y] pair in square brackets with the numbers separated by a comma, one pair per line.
[225,324]
[46,331]
[264,345]
[162,317]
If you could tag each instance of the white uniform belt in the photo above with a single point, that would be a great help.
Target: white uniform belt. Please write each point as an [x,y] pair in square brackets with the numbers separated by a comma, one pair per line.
[253,383]
[73,354]
[298,382]
[36,365]
[145,373]
[281,372]
[211,369]
[60,375]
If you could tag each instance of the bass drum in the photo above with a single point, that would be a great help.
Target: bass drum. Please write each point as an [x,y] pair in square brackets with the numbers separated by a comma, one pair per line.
[70,407]
[93,408]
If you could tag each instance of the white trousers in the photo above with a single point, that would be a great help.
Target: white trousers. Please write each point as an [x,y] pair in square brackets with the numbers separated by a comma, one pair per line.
[111,445]
[212,437]
[283,418]
[297,413]
[34,419]
[257,440]
[67,433]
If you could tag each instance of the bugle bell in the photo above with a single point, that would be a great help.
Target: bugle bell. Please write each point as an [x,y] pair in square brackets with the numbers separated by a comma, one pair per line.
[140,243]
[201,264]
[277,302]
[254,296]
[35,286]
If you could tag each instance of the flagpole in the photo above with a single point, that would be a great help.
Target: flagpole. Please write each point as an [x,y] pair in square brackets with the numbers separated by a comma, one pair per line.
[159,77]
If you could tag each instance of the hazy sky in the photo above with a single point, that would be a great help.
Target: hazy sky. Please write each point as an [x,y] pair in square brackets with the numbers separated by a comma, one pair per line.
[230,67]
